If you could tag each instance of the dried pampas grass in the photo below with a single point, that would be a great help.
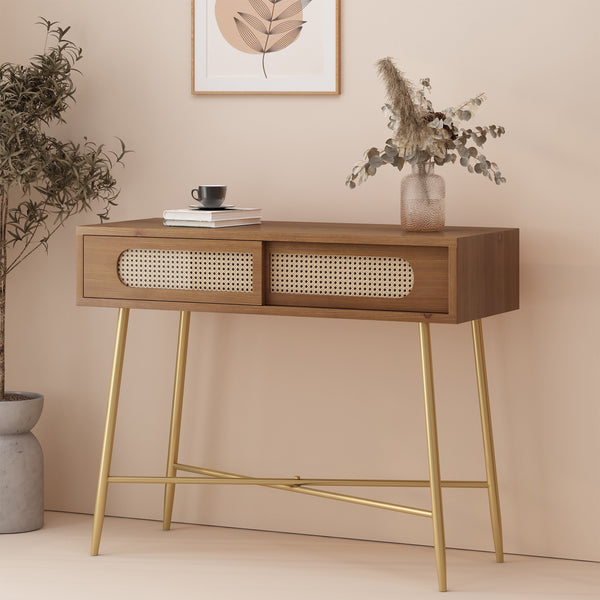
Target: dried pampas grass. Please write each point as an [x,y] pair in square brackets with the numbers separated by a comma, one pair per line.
[411,124]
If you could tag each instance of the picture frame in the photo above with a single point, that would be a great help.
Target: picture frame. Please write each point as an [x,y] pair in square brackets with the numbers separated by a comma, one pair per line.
[266,47]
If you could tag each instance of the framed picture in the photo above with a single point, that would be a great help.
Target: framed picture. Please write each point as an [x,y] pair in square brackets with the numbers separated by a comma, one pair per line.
[265,46]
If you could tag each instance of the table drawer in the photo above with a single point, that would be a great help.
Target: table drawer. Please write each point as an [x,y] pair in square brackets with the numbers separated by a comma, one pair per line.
[397,278]
[177,270]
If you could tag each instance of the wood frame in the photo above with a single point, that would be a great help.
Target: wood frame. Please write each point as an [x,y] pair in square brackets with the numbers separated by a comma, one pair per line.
[335,91]
[473,271]
[101,256]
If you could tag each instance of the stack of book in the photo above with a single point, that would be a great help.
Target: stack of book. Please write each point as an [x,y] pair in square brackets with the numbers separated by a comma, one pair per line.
[224,216]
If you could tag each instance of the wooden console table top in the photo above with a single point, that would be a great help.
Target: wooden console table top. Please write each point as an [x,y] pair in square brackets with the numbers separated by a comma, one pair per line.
[295,231]
[460,273]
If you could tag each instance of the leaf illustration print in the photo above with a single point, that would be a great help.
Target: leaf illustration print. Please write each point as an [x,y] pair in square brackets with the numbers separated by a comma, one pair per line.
[260,26]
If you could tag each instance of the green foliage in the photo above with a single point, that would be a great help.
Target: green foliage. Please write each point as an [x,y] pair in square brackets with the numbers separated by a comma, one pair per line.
[55,179]
[441,139]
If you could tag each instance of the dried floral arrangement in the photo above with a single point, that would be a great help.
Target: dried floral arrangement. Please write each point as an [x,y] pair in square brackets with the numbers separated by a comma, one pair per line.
[50,180]
[422,134]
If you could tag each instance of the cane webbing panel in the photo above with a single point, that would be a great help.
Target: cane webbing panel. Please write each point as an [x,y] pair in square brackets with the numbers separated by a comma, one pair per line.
[341,275]
[186,270]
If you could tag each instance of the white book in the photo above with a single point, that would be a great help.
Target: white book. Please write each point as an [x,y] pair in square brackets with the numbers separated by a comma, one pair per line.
[195,214]
[213,224]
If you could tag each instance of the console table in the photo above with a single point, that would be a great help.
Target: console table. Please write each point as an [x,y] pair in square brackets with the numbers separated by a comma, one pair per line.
[336,270]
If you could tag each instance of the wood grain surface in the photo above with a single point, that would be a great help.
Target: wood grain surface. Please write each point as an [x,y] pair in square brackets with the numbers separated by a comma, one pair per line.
[460,273]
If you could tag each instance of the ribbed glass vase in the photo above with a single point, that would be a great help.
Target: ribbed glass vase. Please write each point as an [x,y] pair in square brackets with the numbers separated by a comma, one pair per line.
[422,199]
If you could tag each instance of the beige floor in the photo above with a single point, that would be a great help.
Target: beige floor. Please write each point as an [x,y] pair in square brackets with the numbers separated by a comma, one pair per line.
[139,560]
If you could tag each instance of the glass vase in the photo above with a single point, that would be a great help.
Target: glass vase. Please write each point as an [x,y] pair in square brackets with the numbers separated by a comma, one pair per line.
[422,194]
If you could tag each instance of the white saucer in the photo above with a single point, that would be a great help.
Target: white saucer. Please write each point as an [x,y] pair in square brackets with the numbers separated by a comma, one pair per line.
[222,207]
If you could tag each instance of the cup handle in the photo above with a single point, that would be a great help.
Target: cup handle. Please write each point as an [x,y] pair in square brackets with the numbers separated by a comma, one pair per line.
[194,197]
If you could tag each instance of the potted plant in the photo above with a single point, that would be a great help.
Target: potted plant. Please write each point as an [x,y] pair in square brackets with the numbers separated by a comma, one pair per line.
[424,137]
[43,182]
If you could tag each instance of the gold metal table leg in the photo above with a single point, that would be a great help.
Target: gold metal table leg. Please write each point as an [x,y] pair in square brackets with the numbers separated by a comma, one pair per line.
[182,346]
[435,483]
[109,429]
[433,456]
[488,440]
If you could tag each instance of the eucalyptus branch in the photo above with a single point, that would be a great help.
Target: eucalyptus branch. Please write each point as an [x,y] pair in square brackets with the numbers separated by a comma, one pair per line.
[478,100]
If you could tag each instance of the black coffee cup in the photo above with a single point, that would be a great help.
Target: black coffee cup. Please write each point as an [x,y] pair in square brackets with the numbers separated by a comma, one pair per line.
[210,196]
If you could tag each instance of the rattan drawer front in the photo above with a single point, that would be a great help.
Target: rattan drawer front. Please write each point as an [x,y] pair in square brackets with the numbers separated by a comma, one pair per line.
[351,276]
[341,275]
[201,270]
[214,271]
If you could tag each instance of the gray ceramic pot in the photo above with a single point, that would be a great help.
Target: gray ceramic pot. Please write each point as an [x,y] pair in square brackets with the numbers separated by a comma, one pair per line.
[21,465]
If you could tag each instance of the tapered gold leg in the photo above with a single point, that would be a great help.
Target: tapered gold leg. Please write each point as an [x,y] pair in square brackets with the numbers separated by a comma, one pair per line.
[488,440]
[182,345]
[109,429]
[433,455]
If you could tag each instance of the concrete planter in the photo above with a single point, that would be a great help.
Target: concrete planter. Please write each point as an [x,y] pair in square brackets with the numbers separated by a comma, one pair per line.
[21,465]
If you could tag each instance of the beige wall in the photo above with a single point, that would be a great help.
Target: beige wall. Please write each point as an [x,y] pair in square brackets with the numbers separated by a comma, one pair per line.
[284,396]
